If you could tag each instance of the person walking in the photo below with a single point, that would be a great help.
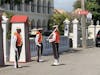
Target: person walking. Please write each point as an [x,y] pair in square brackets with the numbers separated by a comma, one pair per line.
[17,45]
[54,38]
[38,41]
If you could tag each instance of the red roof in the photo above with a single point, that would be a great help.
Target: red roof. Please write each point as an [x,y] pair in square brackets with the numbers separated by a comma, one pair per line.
[19,19]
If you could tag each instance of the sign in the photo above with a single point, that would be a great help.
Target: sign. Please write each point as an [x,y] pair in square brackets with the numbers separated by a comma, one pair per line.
[83,12]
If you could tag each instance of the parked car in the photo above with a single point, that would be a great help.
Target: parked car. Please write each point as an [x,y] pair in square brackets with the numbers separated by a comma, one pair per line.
[98,39]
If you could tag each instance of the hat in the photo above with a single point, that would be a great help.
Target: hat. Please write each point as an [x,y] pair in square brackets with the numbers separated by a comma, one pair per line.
[34,29]
[55,26]
[40,29]
[18,28]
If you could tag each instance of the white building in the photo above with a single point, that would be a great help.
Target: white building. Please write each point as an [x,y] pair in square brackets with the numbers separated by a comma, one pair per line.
[39,11]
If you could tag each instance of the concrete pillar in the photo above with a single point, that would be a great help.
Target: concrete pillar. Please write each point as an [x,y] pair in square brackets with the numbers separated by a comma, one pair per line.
[1,47]
[75,33]
[5,42]
[35,6]
[16,8]
[97,27]
[66,30]
[41,8]
[30,3]
[46,8]
[23,6]
[8,6]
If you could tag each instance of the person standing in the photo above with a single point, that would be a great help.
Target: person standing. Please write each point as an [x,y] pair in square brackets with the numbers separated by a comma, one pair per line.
[38,41]
[17,45]
[55,39]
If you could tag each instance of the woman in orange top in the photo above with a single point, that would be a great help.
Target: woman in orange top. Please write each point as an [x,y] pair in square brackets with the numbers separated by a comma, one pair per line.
[18,46]
[38,41]
[55,40]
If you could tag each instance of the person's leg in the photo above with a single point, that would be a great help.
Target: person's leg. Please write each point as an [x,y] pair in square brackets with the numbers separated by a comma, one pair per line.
[38,53]
[16,60]
[57,50]
[56,56]
[41,48]
[19,51]
[54,50]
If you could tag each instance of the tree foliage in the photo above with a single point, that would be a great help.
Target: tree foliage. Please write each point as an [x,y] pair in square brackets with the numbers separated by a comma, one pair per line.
[91,5]
[58,20]
[77,4]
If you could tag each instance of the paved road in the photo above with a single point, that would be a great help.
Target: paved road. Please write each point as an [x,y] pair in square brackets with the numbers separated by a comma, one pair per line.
[79,62]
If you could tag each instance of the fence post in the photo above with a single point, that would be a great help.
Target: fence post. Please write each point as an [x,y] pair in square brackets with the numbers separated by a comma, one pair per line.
[75,33]
[5,43]
[66,30]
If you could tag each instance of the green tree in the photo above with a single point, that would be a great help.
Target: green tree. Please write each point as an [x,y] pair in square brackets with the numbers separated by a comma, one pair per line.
[94,8]
[77,4]
[91,5]
[58,20]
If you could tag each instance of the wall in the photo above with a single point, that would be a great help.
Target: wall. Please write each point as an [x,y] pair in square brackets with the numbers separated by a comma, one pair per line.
[47,48]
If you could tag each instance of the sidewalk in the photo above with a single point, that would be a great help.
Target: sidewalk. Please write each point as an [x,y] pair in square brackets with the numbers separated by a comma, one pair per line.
[78,62]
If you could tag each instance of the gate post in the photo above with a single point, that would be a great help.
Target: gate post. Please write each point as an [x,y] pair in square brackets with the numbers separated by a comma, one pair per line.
[66,30]
[75,33]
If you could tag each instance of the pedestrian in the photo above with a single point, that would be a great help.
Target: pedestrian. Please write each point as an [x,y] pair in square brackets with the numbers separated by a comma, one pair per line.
[54,39]
[17,45]
[38,41]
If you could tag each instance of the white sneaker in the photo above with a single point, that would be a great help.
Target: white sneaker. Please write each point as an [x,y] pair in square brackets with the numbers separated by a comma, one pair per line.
[40,60]
[56,62]
[15,66]
[19,66]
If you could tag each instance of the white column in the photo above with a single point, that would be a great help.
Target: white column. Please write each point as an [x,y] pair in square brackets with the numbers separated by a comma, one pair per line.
[75,33]
[23,5]
[66,30]
[5,42]
[30,3]
[46,8]
[97,27]
[35,9]
[1,47]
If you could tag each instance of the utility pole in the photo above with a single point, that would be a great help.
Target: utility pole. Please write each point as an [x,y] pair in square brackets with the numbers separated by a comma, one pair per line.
[83,24]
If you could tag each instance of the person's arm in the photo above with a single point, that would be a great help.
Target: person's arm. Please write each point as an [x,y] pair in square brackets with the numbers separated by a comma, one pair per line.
[36,40]
[53,38]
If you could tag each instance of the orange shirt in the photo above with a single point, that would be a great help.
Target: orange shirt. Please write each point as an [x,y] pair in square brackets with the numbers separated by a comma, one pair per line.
[19,39]
[40,37]
[57,40]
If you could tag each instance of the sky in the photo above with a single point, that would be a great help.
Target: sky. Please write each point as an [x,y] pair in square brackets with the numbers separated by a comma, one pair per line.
[64,4]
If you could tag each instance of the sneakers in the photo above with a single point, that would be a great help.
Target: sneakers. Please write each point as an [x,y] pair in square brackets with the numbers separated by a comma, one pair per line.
[56,62]
[40,60]
[16,65]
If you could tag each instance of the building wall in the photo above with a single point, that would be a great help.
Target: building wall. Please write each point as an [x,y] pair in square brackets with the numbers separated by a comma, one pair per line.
[39,11]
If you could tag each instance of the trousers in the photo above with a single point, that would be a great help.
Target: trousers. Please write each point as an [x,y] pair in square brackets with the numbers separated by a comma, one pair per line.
[39,51]
[55,47]
[17,54]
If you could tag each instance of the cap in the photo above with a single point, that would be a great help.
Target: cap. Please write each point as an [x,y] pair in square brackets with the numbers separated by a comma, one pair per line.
[18,28]
[40,29]
[55,26]
[34,29]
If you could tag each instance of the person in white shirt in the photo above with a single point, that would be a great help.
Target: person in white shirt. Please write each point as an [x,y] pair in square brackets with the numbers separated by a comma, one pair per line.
[38,41]
[17,44]
[54,39]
